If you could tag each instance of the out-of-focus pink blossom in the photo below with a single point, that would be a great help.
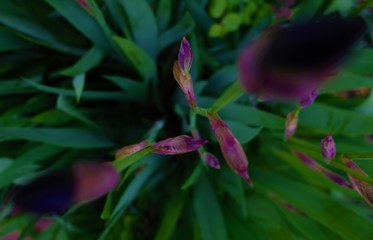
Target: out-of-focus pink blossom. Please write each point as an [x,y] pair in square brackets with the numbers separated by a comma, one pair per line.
[177,145]
[291,124]
[232,150]
[185,56]
[364,189]
[328,148]
[130,149]
[93,180]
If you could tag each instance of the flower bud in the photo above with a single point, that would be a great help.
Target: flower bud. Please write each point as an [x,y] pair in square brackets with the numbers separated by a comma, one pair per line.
[328,149]
[130,149]
[185,56]
[364,189]
[177,145]
[230,147]
[211,160]
[84,4]
[186,84]
[291,124]
[326,172]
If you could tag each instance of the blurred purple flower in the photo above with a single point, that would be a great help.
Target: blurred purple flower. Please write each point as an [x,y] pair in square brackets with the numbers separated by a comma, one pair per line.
[177,145]
[84,4]
[309,98]
[185,56]
[93,180]
[130,149]
[328,149]
[326,172]
[364,189]
[56,192]
[232,150]
[291,124]
[288,62]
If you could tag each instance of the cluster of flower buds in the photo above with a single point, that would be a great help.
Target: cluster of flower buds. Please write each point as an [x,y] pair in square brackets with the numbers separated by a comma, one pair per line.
[231,149]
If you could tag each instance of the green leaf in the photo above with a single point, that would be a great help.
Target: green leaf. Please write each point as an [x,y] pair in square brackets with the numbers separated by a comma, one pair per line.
[124,162]
[82,21]
[9,41]
[163,15]
[319,206]
[143,25]
[329,120]
[91,59]
[73,138]
[243,133]
[95,95]
[231,22]
[133,89]
[217,8]
[78,84]
[347,81]
[13,16]
[194,177]
[209,216]
[170,217]
[64,105]
[143,63]
[361,62]
[176,32]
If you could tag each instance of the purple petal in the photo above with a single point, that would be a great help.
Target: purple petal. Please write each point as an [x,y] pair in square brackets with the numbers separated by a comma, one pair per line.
[178,145]
[336,178]
[185,57]
[328,148]
[186,84]
[93,180]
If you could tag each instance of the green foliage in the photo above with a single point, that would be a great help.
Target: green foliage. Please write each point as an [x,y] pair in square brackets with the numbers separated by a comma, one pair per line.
[77,84]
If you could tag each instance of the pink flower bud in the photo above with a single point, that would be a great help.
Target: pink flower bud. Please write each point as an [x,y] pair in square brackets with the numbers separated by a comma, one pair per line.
[186,84]
[177,145]
[130,149]
[291,124]
[309,98]
[364,189]
[211,160]
[328,149]
[93,180]
[318,168]
[185,57]
[232,150]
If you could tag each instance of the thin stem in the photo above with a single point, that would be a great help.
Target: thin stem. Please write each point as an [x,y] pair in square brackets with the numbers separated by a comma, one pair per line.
[125,161]
[233,92]
[201,111]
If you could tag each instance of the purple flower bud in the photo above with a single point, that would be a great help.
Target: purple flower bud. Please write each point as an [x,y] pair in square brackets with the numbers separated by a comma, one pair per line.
[186,84]
[328,149]
[232,150]
[309,98]
[289,61]
[93,180]
[84,4]
[130,149]
[185,57]
[291,124]
[318,168]
[211,160]
[177,145]
[364,189]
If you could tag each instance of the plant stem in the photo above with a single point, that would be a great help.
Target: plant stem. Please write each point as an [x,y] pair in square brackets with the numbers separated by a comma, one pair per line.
[201,111]
[233,92]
